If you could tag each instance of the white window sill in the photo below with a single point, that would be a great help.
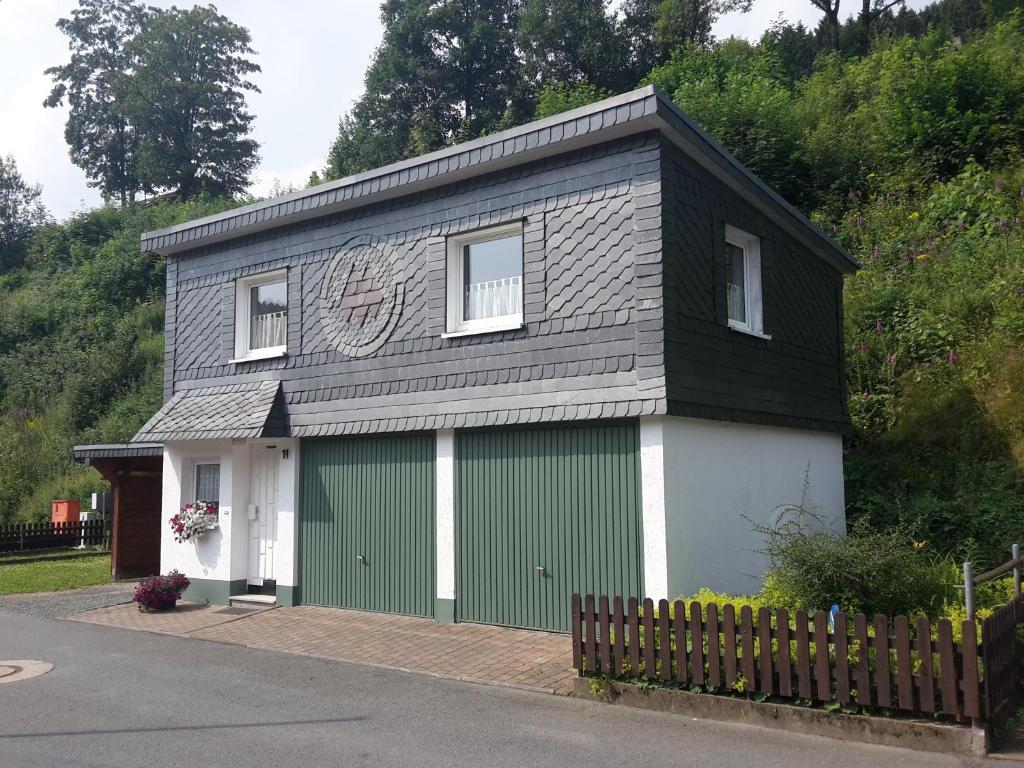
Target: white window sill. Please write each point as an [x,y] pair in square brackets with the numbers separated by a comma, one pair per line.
[740,328]
[496,328]
[260,354]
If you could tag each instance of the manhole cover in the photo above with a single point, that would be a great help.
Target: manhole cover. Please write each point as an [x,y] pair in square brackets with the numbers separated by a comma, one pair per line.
[22,669]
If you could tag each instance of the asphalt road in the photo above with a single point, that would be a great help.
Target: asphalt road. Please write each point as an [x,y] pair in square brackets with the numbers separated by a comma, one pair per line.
[122,698]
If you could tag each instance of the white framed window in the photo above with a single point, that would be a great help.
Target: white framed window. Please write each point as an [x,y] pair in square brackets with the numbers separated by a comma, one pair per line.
[485,280]
[743,282]
[206,482]
[261,316]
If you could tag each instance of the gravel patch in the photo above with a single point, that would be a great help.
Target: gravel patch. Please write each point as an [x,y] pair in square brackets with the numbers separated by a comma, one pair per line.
[56,605]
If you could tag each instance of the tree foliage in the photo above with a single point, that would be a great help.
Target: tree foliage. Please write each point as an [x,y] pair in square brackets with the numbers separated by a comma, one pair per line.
[21,214]
[156,99]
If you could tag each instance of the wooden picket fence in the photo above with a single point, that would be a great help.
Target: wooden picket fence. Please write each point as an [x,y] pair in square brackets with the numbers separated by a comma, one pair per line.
[1003,663]
[887,663]
[35,536]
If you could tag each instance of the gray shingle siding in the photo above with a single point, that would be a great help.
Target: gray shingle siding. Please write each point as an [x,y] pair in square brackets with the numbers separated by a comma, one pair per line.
[624,306]
[575,358]
[794,380]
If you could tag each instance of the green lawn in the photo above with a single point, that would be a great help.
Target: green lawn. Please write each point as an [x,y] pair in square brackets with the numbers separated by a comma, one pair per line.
[68,573]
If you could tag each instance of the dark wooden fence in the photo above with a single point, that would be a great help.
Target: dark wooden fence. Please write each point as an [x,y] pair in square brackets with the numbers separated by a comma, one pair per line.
[888,663]
[1002,655]
[33,536]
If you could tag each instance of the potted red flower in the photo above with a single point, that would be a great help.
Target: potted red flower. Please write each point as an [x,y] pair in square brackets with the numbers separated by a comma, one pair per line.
[160,593]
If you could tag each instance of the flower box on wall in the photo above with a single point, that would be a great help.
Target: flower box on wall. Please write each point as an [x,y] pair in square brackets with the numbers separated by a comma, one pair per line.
[196,519]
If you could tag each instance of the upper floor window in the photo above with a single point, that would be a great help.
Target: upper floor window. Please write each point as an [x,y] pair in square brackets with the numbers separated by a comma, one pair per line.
[485,280]
[207,482]
[261,326]
[743,281]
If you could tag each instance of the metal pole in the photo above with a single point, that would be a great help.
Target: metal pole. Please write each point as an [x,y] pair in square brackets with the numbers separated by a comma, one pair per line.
[969,590]
[1015,554]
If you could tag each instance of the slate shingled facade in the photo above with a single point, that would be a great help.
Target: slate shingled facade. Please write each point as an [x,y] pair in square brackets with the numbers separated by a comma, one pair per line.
[623,207]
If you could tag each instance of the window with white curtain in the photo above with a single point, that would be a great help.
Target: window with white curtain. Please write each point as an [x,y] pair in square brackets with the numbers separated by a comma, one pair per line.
[485,280]
[207,482]
[261,324]
[743,297]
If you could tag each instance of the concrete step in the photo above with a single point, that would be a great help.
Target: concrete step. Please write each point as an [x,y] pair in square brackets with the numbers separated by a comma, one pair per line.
[252,601]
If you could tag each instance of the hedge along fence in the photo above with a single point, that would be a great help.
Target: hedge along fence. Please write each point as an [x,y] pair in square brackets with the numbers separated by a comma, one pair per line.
[891,664]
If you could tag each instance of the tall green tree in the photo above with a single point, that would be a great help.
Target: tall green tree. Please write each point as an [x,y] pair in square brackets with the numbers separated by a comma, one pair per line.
[446,70]
[571,41]
[157,98]
[478,70]
[21,214]
[681,22]
[101,140]
[185,95]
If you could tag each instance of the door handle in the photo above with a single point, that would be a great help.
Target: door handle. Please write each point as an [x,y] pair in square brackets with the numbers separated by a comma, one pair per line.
[541,569]
[361,559]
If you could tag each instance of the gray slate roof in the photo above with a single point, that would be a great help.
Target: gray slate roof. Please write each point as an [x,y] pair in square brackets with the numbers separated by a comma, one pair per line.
[639,111]
[85,453]
[214,413]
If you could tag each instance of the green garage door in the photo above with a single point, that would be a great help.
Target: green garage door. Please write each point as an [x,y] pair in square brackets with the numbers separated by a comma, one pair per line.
[367,523]
[543,513]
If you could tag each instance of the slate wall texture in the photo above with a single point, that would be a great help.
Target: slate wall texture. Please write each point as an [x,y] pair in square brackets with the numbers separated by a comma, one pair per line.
[591,248]
[624,306]
[713,372]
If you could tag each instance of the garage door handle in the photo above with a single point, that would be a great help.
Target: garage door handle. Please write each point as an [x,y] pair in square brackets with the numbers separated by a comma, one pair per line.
[361,558]
[541,570]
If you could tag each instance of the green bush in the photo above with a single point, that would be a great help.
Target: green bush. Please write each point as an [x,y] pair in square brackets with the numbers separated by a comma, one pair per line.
[865,571]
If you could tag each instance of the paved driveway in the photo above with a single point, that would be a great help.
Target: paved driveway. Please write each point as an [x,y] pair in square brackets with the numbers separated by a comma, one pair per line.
[473,652]
[127,699]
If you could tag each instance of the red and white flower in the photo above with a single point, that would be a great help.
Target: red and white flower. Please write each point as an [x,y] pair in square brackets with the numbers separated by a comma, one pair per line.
[195,519]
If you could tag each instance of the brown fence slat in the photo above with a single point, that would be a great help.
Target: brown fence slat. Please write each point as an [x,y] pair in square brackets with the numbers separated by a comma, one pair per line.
[803,656]
[841,640]
[926,684]
[972,704]
[590,643]
[822,668]
[634,636]
[648,634]
[696,643]
[904,664]
[785,659]
[766,681]
[619,628]
[729,643]
[577,633]
[605,634]
[714,649]
[747,648]
[883,682]
[947,668]
[665,641]
[861,672]
[679,622]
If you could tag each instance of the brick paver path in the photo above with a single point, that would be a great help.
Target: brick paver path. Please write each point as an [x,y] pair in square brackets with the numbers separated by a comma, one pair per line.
[472,652]
[184,620]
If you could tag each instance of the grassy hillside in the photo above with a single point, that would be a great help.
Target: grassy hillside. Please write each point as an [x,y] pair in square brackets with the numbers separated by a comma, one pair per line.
[81,342]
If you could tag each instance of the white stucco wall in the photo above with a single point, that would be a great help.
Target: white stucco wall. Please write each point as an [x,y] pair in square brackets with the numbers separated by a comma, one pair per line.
[445,513]
[209,557]
[222,554]
[720,476]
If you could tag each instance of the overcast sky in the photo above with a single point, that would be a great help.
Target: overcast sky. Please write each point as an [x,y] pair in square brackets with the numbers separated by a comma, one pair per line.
[313,54]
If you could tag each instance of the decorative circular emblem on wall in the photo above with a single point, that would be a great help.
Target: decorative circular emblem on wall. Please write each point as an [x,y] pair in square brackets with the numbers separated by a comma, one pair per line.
[361,297]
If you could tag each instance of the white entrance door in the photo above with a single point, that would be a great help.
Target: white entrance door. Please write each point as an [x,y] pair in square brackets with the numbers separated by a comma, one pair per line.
[262,513]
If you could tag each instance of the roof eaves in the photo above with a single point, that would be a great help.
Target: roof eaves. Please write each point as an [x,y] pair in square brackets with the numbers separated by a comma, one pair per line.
[602,121]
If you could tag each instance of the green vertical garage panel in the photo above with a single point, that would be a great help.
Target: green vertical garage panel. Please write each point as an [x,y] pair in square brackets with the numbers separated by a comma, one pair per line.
[565,498]
[370,496]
